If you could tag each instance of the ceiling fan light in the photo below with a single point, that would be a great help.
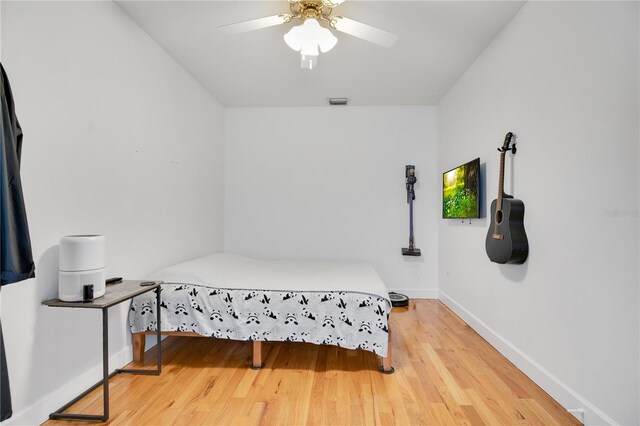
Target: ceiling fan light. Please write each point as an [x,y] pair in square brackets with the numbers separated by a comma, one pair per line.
[310,36]
[326,40]
[293,40]
[309,49]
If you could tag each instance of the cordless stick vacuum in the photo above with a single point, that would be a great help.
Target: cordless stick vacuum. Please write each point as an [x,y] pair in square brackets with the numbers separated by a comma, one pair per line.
[410,175]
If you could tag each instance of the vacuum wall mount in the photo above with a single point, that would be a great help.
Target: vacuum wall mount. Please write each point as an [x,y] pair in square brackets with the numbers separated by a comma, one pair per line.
[410,178]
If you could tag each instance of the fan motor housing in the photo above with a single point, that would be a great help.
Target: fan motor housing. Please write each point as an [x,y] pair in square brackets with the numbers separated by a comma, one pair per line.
[310,9]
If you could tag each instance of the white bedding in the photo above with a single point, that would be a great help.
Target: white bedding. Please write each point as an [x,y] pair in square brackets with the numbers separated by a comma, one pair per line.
[235,297]
[232,271]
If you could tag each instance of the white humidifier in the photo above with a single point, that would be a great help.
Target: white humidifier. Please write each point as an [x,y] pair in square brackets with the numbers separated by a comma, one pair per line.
[82,264]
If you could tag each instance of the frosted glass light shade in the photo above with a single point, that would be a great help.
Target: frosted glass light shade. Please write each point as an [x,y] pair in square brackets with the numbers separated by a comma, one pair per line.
[309,37]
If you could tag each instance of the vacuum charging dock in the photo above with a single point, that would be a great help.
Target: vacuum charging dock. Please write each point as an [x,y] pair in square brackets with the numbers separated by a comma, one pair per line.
[411,251]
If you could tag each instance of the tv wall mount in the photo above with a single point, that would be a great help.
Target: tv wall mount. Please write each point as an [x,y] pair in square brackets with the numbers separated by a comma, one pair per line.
[410,179]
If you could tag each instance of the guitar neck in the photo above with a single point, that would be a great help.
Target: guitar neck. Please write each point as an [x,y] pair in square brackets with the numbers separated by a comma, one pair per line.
[501,182]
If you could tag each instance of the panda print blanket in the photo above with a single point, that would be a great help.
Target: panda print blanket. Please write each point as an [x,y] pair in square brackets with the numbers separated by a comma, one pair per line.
[234,297]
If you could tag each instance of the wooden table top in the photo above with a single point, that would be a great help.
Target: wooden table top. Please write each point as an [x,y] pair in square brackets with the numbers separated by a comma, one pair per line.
[114,294]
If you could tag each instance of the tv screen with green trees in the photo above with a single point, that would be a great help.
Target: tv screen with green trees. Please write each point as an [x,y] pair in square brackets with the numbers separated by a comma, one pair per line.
[460,191]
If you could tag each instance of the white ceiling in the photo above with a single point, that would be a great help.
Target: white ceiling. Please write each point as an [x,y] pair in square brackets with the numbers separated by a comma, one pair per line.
[437,42]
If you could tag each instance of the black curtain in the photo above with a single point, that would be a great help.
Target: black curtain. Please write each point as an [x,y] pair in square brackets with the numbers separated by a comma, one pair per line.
[16,259]
[5,392]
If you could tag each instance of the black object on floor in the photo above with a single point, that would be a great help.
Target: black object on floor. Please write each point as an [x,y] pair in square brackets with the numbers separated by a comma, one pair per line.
[398,300]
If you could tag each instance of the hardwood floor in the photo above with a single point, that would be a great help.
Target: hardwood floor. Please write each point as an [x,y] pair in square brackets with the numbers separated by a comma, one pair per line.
[445,374]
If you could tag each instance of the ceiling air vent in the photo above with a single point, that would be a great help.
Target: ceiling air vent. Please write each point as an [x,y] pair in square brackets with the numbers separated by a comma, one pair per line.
[338,101]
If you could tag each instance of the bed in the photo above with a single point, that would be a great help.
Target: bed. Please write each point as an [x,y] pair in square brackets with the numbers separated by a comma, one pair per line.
[229,296]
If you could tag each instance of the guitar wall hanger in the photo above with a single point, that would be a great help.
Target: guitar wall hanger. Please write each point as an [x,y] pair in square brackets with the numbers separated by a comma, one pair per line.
[513,148]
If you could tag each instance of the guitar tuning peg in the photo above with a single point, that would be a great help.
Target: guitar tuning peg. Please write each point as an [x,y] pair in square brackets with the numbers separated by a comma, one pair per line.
[514,149]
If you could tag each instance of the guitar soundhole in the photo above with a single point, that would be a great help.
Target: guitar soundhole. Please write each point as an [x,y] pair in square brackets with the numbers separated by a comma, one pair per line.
[499,217]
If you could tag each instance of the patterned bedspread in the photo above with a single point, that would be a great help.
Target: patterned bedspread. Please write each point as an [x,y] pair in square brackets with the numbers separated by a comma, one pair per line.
[351,320]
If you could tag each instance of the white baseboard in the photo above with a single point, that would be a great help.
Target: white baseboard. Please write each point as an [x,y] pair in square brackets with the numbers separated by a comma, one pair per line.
[575,403]
[38,412]
[412,293]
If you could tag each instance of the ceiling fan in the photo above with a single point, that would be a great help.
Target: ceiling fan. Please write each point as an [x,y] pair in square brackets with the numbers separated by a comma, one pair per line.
[311,38]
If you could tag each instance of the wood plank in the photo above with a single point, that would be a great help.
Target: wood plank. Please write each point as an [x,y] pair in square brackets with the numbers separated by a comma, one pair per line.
[445,374]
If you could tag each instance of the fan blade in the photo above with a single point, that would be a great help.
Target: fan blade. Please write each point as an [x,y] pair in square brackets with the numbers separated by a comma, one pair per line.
[255,24]
[363,31]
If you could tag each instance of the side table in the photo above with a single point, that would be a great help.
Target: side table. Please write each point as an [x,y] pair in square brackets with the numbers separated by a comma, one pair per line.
[115,294]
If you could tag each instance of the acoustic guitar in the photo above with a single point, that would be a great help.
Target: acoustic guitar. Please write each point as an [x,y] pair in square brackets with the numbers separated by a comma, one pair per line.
[506,239]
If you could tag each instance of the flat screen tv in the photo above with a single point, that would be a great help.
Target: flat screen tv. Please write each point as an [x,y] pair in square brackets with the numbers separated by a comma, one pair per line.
[460,195]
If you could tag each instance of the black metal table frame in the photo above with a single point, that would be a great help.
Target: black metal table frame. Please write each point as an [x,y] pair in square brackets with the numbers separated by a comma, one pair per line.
[60,415]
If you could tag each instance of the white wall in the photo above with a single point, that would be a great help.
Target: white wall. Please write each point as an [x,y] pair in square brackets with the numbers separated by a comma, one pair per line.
[119,140]
[328,183]
[564,77]
[325,183]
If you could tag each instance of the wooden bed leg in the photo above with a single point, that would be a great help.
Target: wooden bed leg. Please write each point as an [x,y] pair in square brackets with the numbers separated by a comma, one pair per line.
[257,363]
[386,367]
[139,341]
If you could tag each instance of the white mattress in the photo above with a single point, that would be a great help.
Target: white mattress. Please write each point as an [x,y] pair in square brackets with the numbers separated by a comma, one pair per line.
[232,271]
